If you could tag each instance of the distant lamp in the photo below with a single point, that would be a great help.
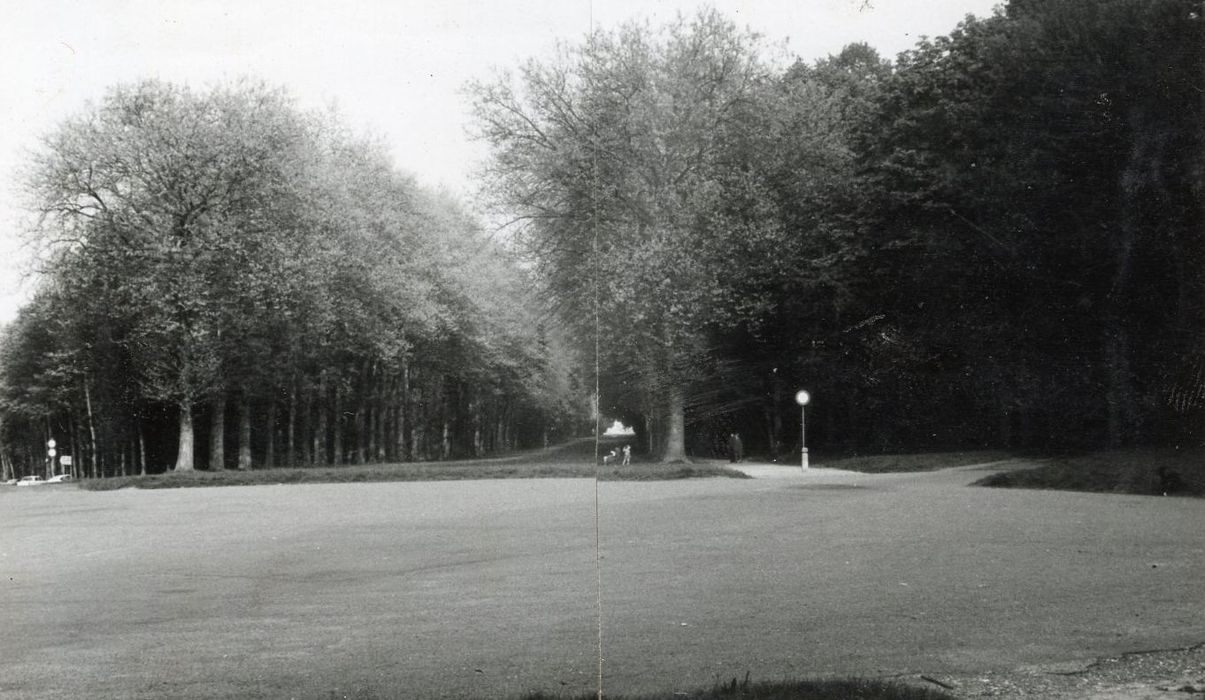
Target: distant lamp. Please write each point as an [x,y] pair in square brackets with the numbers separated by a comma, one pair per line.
[803,399]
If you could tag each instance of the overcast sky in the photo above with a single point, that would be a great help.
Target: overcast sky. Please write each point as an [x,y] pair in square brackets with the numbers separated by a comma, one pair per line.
[392,67]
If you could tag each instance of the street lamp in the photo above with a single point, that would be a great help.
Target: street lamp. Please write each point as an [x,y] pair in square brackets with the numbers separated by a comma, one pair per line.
[802,398]
[50,453]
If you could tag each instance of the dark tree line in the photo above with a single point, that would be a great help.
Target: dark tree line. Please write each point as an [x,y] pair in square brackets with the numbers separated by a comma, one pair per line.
[994,240]
[230,282]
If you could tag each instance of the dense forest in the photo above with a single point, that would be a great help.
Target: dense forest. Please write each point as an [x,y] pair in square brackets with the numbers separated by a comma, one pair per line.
[994,239]
[233,282]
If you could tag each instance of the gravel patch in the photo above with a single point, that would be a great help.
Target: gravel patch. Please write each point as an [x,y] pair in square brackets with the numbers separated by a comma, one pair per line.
[1169,674]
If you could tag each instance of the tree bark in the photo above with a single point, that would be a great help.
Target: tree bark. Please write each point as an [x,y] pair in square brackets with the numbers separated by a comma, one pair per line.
[244,433]
[91,429]
[217,432]
[675,438]
[359,421]
[339,456]
[184,452]
[291,429]
[361,415]
[380,417]
[141,449]
[403,455]
[319,454]
[270,429]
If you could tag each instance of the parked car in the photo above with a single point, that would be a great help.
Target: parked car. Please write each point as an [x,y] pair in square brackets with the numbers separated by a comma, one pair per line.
[58,478]
[30,481]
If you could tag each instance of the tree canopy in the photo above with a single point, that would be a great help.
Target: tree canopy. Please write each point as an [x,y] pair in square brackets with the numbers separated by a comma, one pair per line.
[993,240]
[203,249]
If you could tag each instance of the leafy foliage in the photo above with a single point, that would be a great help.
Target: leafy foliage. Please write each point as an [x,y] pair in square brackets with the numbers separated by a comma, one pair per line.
[206,245]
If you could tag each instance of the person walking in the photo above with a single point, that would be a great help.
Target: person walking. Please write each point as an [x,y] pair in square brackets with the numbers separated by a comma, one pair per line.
[627,455]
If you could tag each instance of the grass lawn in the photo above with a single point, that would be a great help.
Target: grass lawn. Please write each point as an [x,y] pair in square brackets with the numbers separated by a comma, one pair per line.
[1156,472]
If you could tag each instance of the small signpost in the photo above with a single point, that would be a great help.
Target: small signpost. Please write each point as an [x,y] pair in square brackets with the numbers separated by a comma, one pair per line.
[50,453]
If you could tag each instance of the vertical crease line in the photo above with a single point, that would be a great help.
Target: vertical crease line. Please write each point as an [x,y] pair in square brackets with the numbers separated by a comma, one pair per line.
[597,401]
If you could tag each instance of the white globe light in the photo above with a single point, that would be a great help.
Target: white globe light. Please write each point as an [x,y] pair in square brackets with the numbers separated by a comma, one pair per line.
[51,443]
[802,398]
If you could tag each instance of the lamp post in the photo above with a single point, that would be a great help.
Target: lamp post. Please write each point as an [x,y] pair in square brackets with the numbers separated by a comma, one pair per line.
[50,453]
[802,398]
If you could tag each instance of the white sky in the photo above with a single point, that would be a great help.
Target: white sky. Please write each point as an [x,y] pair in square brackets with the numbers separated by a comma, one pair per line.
[394,67]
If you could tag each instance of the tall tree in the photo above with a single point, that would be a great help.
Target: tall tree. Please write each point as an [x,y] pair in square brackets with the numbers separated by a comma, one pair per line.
[161,189]
[610,155]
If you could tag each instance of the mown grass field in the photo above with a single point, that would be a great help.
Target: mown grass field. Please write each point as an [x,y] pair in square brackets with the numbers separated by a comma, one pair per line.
[491,588]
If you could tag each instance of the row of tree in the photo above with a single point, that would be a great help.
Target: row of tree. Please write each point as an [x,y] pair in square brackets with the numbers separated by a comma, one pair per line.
[222,264]
[995,240]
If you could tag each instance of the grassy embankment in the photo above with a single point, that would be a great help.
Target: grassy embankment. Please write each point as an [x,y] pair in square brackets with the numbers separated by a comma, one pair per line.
[920,462]
[571,460]
[1151,471]
[1139,471]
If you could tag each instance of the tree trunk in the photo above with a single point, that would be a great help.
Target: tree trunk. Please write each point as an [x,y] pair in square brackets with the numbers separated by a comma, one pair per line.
[338,427]
[73,429]
[141,449]
[291,429]
[403,455]
[380,419]
[217,433]
[184,453]
[675,439]
[270,429]
[91,429]
[373,421]
[359,423]
[244,433]
[361,418]
[1120,393]
[307,422]
[319,453]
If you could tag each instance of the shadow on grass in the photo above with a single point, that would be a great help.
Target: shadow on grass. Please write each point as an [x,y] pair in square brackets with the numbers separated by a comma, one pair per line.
[841,689]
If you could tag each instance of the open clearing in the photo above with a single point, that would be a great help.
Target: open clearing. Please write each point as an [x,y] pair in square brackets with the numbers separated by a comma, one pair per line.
[487,588]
